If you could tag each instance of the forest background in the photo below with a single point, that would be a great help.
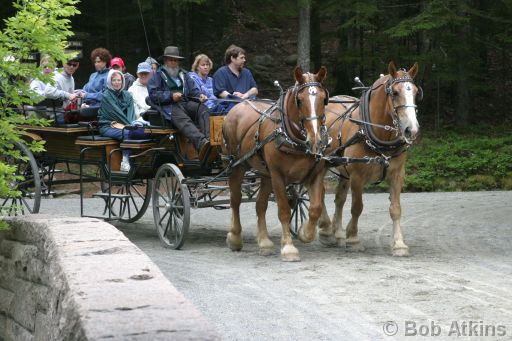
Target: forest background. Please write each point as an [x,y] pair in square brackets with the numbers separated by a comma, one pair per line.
[463,49]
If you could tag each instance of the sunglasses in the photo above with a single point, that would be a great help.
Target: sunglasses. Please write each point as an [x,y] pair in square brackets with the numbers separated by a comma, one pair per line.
[73,64]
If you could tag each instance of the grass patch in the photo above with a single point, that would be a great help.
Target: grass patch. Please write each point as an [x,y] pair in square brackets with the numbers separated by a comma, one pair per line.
[476,159]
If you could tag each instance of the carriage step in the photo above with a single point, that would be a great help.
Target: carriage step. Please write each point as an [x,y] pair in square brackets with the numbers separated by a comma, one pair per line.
[112,195]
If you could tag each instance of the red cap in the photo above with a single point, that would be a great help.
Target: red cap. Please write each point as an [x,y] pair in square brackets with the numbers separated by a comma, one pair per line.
[117,61]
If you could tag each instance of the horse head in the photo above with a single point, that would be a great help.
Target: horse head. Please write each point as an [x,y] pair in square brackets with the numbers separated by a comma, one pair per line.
[306,109]
[404,94]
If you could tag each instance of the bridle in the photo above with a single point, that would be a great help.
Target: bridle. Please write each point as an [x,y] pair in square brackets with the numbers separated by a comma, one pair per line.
[388,89]
[313,91]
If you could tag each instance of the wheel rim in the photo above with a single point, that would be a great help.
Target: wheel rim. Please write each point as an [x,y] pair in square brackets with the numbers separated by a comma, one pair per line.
[132,207]
[30,186]
[171,206]
[298,199]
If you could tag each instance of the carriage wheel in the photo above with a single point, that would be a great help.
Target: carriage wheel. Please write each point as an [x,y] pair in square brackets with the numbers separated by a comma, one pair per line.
[171,206]
[30,187]
[298,200]
[129,201]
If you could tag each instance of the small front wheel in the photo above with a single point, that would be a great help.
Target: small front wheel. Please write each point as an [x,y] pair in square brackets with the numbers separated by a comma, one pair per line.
[171,206]
[298,200]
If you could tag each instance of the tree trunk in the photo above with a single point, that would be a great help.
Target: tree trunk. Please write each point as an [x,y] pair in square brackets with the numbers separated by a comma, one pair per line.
[463,98]
[304,39]
[316,39]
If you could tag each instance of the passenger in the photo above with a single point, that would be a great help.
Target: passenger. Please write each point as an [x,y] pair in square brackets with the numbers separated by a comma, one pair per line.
[139,89]
[200,70]
[233,81]
[117,63]
[65,82]
[93,90]
[171,88]
[47,90]
[154,64]
[116,111]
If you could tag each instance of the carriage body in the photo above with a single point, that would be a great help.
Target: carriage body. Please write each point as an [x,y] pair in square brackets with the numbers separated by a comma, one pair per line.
[165,169]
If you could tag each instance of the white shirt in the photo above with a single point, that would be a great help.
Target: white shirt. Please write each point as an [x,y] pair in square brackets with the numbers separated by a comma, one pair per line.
[139,93]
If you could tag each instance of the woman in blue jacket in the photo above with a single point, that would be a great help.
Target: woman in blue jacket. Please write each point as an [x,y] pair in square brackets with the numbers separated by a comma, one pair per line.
[93,90]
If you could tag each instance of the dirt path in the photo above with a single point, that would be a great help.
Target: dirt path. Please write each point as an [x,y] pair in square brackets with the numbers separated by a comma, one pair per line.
[457,282]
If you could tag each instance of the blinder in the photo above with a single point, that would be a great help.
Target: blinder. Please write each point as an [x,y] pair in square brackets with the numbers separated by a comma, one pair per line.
[389,90]
[419,94]
[308,84]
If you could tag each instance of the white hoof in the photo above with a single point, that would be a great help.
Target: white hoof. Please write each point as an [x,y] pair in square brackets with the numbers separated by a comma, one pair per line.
[234,242]
[327,240]
[401,252]
[354,246]
[340,242]
[303,238]
[266,247]
[289,253]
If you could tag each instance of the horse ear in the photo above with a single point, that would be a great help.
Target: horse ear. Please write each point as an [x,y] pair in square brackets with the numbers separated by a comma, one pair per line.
[321,74]
[392,69]
[413,71]
[298,74]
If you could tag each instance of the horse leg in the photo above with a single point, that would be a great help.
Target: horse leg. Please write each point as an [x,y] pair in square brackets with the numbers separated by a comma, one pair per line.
[264,242]
[316,192]
[338,232]
[352,242]
[234,237]
[325,230]
[289,252]
[398,246]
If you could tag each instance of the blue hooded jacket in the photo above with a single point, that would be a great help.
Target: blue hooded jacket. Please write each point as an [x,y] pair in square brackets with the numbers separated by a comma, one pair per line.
[95,86]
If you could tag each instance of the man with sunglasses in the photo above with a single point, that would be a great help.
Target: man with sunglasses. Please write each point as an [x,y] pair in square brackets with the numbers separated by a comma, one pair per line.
[65,82]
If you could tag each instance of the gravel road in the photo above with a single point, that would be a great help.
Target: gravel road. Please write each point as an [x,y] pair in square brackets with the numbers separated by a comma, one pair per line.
[456,284]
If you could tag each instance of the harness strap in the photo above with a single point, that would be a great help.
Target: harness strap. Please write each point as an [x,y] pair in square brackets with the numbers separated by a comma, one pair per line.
[371,138]
[256,148]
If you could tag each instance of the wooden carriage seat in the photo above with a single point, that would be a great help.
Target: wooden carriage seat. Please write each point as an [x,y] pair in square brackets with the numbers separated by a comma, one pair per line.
[102,142]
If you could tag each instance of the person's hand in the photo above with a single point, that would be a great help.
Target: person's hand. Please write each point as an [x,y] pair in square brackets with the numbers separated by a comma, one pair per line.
[176,97]
[238,94]
[84,105]
[203,98]
[72,97]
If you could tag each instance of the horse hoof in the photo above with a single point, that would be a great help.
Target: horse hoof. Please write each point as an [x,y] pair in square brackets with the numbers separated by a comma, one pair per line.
[340,242]
[234,242]
[401,252]
[303,237]
[327,240]
[266,247]
[289,253]
[264,251]
[354,247]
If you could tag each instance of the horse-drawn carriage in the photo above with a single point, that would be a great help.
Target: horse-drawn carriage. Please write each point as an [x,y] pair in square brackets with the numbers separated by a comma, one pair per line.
[282,147]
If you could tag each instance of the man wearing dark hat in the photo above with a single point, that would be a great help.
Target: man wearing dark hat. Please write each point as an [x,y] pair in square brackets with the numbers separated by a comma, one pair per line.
[175,92]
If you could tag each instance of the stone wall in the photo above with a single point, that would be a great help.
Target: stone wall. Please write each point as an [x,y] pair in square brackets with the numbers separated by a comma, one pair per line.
[81,279]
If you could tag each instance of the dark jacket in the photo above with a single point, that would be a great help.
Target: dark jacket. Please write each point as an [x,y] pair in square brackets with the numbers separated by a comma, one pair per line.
[160,91]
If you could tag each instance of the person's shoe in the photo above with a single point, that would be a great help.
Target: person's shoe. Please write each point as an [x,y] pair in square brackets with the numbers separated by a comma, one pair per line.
[205,145]
[125,166]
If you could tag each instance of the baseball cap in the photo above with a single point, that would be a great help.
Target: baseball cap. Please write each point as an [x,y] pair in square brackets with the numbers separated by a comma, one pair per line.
[117,61]
[143,67]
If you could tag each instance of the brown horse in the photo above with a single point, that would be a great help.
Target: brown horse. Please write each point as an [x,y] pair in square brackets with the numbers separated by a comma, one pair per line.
[381,127]
[284,142]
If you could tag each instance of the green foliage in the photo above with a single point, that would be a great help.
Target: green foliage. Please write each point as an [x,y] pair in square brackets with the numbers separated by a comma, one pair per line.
[37,27]
[456,161]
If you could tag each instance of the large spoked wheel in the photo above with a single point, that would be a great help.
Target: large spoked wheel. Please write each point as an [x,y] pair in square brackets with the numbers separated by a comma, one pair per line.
[171,206]
[30,186]
[130,200]
[298,200]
